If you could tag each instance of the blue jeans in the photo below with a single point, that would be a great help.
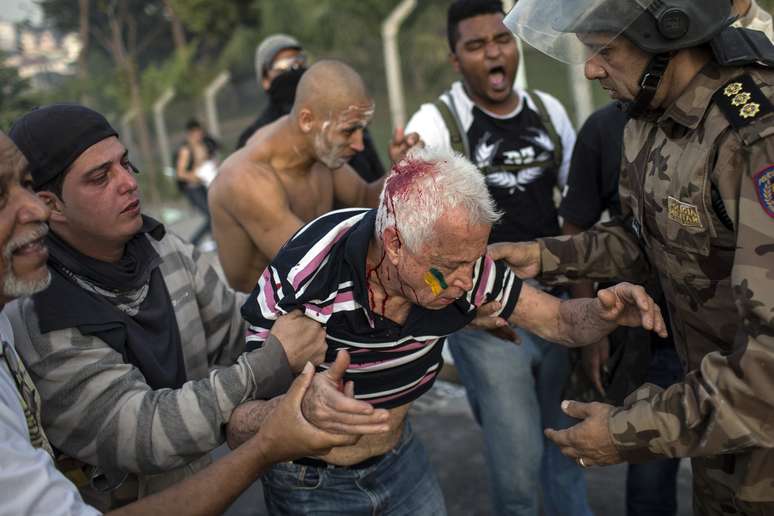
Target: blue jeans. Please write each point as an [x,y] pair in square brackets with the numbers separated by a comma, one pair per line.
[651,488]
[515,391]
[402,483]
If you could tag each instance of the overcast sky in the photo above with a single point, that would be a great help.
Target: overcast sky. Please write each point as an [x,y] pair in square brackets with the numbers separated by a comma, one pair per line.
[18,10]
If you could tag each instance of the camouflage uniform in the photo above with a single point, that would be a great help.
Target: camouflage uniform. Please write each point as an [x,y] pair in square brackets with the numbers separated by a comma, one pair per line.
[716,268]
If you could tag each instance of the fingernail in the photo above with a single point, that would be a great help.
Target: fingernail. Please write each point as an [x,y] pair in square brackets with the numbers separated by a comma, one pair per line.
[565,404]
[308,367]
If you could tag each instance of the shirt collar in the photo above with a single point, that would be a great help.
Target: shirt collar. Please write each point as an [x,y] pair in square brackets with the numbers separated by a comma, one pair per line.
[691,106]
[355,253]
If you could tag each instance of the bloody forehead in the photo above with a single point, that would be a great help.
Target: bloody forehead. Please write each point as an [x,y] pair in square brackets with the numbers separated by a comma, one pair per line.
[405,173]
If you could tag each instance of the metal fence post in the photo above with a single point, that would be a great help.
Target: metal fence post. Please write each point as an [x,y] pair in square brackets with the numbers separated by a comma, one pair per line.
[161,127]
[390,29]
[209,100]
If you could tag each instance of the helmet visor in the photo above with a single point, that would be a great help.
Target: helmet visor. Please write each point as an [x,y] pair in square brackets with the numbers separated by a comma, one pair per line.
[573,31]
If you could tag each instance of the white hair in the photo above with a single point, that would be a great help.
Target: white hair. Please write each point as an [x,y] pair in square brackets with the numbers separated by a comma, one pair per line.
[423,187]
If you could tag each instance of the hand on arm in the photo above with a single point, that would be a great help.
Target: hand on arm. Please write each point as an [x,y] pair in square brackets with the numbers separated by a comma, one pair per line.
[331,406]
[302,338]
[487,320]
[284,435]
[328,404]
[522,257]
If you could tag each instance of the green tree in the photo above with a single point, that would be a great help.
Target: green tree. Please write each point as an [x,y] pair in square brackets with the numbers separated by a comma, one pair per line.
[16,97]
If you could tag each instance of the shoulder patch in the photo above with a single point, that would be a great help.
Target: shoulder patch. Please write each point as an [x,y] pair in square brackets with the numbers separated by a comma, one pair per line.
[742,101]
[764,187]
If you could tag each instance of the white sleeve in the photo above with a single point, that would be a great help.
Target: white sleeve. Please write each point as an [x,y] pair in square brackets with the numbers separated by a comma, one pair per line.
[28,479]
[757,19]
[565,131]
[429,123]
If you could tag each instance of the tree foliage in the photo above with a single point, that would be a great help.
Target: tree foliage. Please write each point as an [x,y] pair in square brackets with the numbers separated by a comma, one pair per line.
[16,97]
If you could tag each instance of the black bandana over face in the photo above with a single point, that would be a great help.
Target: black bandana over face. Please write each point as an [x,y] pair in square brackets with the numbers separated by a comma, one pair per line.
[126,304]
[282,92]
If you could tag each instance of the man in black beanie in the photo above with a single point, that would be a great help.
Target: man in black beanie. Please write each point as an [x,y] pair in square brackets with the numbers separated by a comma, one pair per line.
[137,346]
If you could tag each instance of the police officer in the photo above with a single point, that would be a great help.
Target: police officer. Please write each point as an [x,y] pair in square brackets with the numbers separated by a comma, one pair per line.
[697,192]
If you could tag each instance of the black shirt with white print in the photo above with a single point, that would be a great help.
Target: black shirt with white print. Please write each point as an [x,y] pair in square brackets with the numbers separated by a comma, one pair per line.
[526,196]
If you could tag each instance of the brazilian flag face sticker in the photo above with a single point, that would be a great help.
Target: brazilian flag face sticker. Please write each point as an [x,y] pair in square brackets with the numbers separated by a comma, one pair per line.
[435,280]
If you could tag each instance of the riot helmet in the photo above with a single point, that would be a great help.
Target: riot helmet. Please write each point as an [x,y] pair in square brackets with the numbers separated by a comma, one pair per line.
[654,26]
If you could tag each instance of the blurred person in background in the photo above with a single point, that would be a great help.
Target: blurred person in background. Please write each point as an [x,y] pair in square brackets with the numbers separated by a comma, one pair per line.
[196,167]
[279,63]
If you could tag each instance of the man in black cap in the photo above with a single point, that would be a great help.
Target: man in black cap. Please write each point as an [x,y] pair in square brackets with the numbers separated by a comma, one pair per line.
[136,347]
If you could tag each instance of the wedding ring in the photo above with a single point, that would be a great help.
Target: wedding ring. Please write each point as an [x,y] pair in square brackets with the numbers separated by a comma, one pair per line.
[581,463]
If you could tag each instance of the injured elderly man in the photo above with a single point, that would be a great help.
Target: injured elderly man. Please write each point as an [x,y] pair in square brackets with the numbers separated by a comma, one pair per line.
[389,284]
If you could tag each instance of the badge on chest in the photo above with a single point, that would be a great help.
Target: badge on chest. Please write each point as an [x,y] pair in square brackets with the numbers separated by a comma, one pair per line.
[764,186]
[683,213]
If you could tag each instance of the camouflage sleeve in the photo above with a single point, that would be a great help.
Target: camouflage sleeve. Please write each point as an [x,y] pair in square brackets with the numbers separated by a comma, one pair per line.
[725,404]
[609,250]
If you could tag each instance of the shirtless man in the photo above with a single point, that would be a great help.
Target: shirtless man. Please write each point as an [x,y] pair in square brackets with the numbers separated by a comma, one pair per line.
[389,285]
[292,171]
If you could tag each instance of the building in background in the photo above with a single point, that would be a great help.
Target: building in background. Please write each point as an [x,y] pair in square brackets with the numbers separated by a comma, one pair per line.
[39,54]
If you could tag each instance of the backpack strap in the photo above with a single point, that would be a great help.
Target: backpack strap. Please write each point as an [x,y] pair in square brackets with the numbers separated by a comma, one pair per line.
[549,125]
[459,142]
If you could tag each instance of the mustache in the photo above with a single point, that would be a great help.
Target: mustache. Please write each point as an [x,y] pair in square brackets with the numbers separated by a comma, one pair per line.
[39,232]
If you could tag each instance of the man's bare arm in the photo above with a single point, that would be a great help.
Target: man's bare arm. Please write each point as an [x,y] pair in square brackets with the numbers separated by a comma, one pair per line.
[256,199]
[246,420]
[580,322]
[351,190]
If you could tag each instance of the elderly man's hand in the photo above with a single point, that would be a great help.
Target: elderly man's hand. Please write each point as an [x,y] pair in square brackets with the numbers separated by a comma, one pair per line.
[589,442]
[331,406]
[629,305]
[302,338]
[487,320]
[522,257]
[401,143]
[285,434]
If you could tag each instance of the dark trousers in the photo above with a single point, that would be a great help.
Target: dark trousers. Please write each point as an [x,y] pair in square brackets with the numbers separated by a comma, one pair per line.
[197,196]
[651,488]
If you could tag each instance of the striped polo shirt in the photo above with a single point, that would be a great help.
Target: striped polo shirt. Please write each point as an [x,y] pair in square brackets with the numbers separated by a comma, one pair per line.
[322,271]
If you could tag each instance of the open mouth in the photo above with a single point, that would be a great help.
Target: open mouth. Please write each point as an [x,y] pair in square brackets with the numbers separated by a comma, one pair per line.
[32,244]
[497,78]
[35,246]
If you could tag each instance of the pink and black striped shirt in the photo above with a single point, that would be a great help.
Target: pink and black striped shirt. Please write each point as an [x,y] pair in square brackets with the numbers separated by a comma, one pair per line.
[321,270]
